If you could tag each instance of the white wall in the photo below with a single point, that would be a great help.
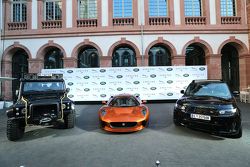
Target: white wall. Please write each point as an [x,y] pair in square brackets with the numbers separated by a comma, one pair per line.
[177,12]
[212,6]
[69,13]
[105,42]
[34,15]
[105,13]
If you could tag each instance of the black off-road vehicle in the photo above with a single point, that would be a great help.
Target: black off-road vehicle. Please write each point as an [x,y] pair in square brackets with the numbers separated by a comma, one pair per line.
[42,100]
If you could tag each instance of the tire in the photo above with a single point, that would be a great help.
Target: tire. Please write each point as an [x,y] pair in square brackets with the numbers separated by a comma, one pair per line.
[69,120]
[238,135]
[15,129]
[176,120]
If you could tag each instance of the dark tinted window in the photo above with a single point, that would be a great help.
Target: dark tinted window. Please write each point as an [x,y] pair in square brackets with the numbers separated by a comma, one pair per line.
[124,102]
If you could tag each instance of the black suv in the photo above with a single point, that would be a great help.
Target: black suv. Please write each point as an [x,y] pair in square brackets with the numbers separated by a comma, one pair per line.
[208,105]
[42,100]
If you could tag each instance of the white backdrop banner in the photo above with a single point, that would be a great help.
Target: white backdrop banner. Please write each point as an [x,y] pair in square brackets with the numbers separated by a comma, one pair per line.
[150,83]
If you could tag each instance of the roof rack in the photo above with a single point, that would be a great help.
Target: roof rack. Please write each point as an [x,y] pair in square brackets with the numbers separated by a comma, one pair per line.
[36,76]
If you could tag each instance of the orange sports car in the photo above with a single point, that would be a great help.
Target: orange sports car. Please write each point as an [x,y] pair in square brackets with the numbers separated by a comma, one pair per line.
[123,113]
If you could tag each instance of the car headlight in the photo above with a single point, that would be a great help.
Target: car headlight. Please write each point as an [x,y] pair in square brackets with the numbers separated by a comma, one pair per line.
[72,106]
[228,112]
[180,107]
[63,106]
[144,111]
[103,113]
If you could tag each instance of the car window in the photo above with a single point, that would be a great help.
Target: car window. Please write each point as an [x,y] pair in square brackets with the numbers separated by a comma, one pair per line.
[124,102]
[42,86]
[209,89]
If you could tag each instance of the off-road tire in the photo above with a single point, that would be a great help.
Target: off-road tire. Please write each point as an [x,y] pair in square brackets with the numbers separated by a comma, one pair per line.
[238,135]
[15,129]
[69,120]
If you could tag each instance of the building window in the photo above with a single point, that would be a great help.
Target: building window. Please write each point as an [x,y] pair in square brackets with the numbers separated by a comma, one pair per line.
[159,56]
[228,8]
[124,57]
[122,8]
[53,10]
[158,8]
[87,9]
[192,8]
[19,11]
[53,59]
[88,57]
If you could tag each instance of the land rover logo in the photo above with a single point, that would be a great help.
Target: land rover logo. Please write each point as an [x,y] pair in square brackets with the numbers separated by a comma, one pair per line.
[70,83]
[169,81]
[102,70]
[103,83]
[136,82]
[169,69]
[120,89]
[119,76]
[136,69]
[152,75]
[202,68]
[153,88]
[70,71]
[86,89]
[185,75]
[86,77]
[103,95]
[170,94]
[70,96]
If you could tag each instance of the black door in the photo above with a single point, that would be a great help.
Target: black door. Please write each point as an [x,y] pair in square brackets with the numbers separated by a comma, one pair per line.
[19,69]
[230,67]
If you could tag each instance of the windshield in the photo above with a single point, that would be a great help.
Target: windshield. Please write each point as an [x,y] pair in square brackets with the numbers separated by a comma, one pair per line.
[220,90]
[43,86]
[124,102]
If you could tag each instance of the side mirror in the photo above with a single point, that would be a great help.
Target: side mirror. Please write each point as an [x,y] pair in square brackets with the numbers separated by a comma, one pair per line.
[104,102]
[67,90]
[182,91]
[236,93]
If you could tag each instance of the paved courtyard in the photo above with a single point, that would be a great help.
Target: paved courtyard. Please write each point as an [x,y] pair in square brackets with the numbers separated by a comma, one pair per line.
[88,146]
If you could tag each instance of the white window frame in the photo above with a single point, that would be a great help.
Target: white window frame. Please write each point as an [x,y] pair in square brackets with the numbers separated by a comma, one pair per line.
[21,2]
[88,15]
[54,9]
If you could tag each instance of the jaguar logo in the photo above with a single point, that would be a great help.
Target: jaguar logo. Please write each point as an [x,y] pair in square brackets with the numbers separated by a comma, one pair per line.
[120,89]
[202,68]
[70,71]
[136,82]
[103,83]
[152,75]
[186,75]
[70,83]
[70,96]
[86,77]
[102,70]
[170,94]
[86,89]
[153,88]
[169,81]
[119,76]
[103,95]
[137,95]
[136,69]
[169,69]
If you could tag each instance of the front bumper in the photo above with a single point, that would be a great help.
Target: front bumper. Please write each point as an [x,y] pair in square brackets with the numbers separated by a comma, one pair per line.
[123,126]
[222,125]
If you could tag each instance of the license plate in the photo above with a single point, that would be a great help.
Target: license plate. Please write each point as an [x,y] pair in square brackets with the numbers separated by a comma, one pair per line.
[199,116]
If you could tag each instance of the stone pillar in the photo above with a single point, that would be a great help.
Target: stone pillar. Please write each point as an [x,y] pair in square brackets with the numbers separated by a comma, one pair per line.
[145,61]
[178,60]
[35,65]
[105,61]
[7,85]
[244,64]
[213,62]
[70,62]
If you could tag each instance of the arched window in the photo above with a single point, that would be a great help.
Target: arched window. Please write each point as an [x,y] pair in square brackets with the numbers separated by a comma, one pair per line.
[20,67]
[192,8]
[195,55]
[227,8]
[53,59]
[88,57]
[124,57]
[159,56]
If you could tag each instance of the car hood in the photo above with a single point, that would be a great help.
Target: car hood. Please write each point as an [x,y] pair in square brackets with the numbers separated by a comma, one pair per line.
[208,102]
[124,114]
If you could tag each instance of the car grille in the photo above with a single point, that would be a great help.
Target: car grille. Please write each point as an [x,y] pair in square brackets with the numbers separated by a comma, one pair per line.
[123,124]
[204,111]
[39,111]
